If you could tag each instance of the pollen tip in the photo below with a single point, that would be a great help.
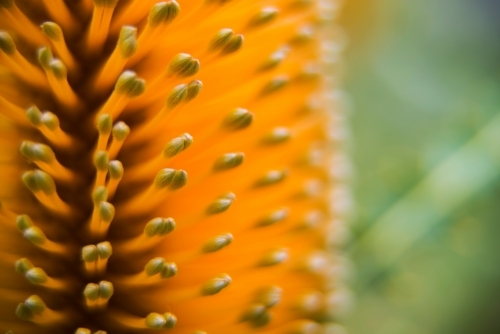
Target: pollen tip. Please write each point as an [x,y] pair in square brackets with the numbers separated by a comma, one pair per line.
[228,161]
[238,119]
[265,15]
[154,266]
[106,212]
[24,313]
[220,39]
[7,44]
[177,95]
[270,178]
[36,276]
[159,226]
[90,253]
[52,31]
[179,180]
[37,152]
[58,69]
[23,265]
[127,41]
[130,84]
[233,45]
[177,145]
[50,120]
[115,169]
[274,257]
[163,13]
[23,222]
[106,289]
[34,115]
[91,291]
[183,65]
[45,57]
[164,178]
[217,243]
[100,194]
[221,204]
[170,320]
[121,131]
[104,250]
[155,321]
[169,270]
[269,296]
[101,161]
[215,285]
[253,312]
[38,180]
[194,89]
[104,124]
[35,304]
[277,135]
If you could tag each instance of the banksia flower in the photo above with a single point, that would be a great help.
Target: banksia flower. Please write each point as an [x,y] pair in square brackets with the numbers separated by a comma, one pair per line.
[164,166]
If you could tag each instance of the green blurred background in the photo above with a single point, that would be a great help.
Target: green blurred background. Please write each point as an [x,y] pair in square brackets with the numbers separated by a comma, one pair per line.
[424,79]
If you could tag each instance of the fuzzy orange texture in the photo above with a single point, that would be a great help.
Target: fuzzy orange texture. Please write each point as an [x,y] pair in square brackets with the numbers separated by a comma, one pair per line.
[227,101]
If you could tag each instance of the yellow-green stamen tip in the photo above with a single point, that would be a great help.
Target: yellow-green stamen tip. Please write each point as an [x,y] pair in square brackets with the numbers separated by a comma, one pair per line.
[90,253]
[233,45]
[269,296]
[163,13]
[217,243]
[154,266]
[177,145]
[221,204]
[34,115]
[274,257]
[171,178]
[127,42]
[23,222]
[183,65]
[104,250]
[220,39]
[37,152]
[106,289]
[170,320]
[23,265]
[91,291]
[177,95]
[155,321]
[7,44]
[36,276]
[228,161]
[100,194]
[45,57]
[193,89]
[101,161]
[35,235]
[215,285]
[121,131]
[159,226]
[50,120]
[130,84]
[52,30]
[169,270]
[104,124]
[106,212]
[115,170]
[238,119]
[38,180]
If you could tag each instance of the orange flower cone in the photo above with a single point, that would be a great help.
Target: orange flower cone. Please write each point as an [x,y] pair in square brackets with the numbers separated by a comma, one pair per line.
[164,166]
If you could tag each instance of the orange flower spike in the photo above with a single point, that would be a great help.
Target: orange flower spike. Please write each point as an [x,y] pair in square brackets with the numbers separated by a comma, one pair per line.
[183,168]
